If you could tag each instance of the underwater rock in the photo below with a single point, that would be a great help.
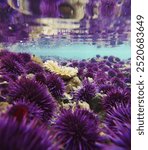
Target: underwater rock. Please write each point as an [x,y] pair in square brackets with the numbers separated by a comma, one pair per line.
[96,103]
[83,105]
[74,105]
[73,84]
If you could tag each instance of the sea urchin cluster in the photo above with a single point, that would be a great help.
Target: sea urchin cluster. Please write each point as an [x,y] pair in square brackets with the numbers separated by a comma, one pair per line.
[70,105]
[35,93]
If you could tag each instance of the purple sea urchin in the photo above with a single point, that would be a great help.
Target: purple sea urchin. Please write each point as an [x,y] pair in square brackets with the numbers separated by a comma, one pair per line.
[55,85]
[104,88]
[34,68]
[23,109]
[25,57]
[89,74]
[115,97]
[35,92]
[117,59]
[122,137]
[118,82]
[16,136]
[119,114]
[77,130]
[9,65]
[40,77]
[4,53]
[87,91]
[112,73]
[82,64]
[15,57]
[100,77]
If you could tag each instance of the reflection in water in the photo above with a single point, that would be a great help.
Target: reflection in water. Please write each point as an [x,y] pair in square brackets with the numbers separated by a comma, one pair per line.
[87,21]
[53,8]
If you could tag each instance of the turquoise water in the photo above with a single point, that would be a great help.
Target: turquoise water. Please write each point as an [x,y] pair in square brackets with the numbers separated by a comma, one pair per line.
[75,51]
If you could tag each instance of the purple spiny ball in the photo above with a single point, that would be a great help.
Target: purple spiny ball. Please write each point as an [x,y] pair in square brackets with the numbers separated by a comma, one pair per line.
[105,68]
[111,59]
[75,64]
[93,60]
[32,67]
[40,77]
[4,53]
[55,85]
[118,82]
[25,57]
[100,75]
[82,64]
[90,74]
[117,59]
[112,73]
[81,72]
[115,97]
[95,68]
[122,137]
[34,92]
[77,130]
[87,91]
[21,109]
[127,80]
[108,63]
[11,66]
[104,88]
[119,114]
[15,57]
[98,56]
[22,136]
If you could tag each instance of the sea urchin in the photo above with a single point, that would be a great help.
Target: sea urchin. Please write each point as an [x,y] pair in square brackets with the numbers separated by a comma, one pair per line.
[16,136]
[35,92]
[77,130]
